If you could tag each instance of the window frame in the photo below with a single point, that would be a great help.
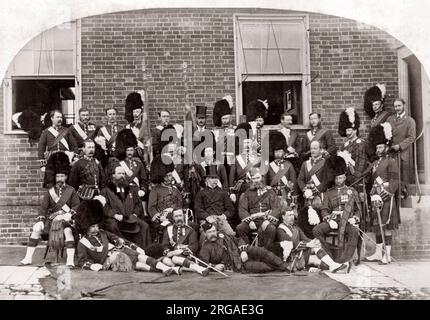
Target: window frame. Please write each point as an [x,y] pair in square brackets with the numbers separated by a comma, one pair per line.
[9,77]
[304,77]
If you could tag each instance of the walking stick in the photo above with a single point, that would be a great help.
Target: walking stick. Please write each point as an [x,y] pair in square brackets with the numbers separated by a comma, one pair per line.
[207,265]
[399,192]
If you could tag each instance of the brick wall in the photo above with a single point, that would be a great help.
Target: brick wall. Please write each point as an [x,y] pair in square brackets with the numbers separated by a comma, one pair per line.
[128,51]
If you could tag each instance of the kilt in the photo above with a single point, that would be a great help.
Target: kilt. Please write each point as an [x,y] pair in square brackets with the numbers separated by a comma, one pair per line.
[394,217]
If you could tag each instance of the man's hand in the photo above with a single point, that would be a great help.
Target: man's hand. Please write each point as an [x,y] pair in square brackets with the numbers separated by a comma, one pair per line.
[352,221]
[233,197]
[361,195]
[67,216]
[39,226]
[333,224]
[173,253]
[96,267]
[222,217]
[265,224]
[140,251]
[252,225]
[396,147]
[156,217]
[219,267]
[118,217]
[43,169]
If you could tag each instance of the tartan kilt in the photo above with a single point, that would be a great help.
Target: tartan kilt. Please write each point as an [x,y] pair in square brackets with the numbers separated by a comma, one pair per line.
[394,222]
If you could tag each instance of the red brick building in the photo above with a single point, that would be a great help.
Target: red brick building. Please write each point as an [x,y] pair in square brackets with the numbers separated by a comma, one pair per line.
[303,61]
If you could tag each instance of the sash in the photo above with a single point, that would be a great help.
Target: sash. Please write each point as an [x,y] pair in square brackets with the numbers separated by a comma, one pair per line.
[314,170]
[56,199]
[318,135]
[246,168]
[129,172]
[140,144]
[279,174]
[80,131]
[176,176]
[286,133]
[159,127]
[88,244]
[287,230]
[59,137]
[349,206]
[105,133]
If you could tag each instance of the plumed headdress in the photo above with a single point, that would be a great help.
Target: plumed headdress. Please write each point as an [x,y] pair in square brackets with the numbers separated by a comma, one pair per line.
[124,139]
[159,169]
[348,119]
[336,165]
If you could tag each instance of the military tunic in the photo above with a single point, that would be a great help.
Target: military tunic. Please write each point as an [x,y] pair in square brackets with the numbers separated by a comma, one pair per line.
[180,235]
[109,132]
[279,181]
[323,135]
[47,139]
[340,205]
[386,168]
[214,201]
[89,132]
[87,172]
[163,197]
[357,150]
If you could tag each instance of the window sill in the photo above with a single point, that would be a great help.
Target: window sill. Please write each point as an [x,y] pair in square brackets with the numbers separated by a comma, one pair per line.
[18,132]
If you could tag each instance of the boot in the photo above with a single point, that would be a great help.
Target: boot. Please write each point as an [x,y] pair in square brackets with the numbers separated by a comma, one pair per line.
[177,270]
[377,256]
[387,256]
[28,259]
[199,269]
[167,271]
[332,265]
[70,253]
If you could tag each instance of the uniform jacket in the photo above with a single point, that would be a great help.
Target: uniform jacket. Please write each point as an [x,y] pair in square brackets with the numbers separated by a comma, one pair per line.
[379,118]
[87,172]
[324,136]
[139,175]
[294,235]
[68,196]
[90,130]
[358,151]
[180,235]
[86,256]
[290,174]
[112,131]
[47,139]
[305,177]
[252,202]
[162,197]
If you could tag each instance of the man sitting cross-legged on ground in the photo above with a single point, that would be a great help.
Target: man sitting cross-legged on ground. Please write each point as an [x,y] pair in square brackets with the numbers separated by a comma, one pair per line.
[179,242]
[99,249]
[222,252]
[298,250]
[56,211]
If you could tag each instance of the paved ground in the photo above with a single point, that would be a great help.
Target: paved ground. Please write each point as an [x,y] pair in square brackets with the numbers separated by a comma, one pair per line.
[399,280]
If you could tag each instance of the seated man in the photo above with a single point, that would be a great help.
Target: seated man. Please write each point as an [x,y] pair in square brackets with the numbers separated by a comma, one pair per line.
[259,211]
[58,206]
[179,242]
[221,251]
[99,249]
[213,204]
[341,210]
[298,250]
[164,197]
[123,210]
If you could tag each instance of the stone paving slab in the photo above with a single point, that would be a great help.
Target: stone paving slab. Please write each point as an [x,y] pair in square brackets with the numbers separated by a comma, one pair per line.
[6,272]
[21,275]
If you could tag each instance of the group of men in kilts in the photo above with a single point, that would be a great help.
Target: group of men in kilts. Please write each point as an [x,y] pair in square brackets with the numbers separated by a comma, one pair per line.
[240,198]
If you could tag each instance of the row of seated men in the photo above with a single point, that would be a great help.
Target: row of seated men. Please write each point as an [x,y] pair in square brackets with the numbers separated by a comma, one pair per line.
[70,220]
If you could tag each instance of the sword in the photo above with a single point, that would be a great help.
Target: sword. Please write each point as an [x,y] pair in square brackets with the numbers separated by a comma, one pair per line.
[208,265]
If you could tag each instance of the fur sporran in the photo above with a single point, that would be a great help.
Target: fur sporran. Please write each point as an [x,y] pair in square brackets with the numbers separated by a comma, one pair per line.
[118,261]
[56,235]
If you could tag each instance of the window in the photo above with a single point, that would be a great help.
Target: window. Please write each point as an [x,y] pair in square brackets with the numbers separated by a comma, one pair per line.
[272,62]
[44,76]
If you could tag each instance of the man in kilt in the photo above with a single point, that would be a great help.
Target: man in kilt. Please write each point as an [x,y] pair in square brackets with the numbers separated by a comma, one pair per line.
[385,184]
[58,206]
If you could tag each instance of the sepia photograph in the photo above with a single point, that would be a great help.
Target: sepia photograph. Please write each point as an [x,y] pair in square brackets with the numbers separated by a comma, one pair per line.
[195,151]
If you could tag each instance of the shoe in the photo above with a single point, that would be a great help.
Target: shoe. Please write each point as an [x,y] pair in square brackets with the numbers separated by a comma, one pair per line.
[205,272]
[70,266]
[349,267]
[23,264]
[177,270]
[341,267]
[168,272]
[382,263]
